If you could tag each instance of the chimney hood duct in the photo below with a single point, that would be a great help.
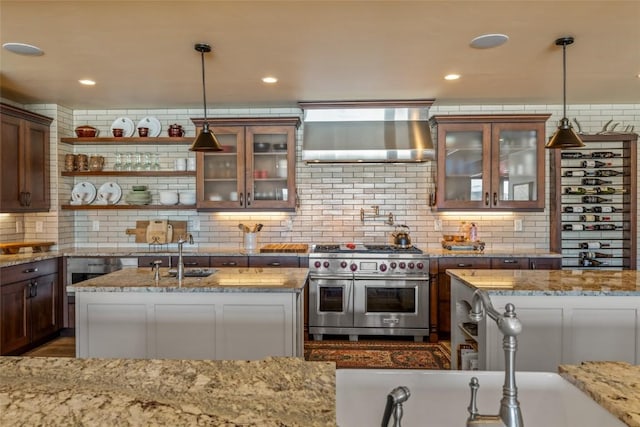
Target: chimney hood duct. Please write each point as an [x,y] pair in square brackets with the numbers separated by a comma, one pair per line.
[367,132]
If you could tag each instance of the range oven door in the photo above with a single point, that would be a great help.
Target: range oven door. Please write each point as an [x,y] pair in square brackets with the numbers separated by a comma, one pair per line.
[331,302]
[389,303]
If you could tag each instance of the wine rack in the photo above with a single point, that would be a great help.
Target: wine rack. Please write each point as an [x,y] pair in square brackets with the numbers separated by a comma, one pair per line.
[593,203]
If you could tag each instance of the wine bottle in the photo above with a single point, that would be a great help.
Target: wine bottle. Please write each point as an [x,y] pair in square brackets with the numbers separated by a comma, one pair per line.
[573,227]
[605,209]
[593,255]
[607,172]
[594,199]
[575,190]
[594,218]
[594,181]
[594,164]
[571,155]
[576,209]
[606,227]
[603,154]
[591,263]
[609,190]
[594,245]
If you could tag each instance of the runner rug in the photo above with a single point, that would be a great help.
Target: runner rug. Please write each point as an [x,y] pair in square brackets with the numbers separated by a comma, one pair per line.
[380,354]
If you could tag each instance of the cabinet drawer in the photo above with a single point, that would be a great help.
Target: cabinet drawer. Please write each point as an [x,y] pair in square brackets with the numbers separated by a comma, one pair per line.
[545,263]
[28,271]
[146,261]
[507,263]
[228,261]
[273,261]
[462,262]
[191,261]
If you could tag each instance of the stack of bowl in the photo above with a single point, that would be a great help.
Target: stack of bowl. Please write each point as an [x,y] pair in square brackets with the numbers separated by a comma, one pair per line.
[139,195]
[168,197]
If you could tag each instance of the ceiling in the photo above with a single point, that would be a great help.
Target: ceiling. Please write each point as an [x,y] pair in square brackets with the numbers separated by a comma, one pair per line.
[141,52]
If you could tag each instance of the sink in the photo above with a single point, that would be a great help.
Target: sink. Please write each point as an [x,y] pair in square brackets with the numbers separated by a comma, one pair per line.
[440,398]
[193,272]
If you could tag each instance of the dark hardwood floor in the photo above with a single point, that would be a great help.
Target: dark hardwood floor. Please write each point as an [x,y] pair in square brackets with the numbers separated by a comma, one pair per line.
[58,347]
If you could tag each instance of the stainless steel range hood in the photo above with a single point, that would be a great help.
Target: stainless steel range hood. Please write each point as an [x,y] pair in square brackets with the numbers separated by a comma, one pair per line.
[361,132]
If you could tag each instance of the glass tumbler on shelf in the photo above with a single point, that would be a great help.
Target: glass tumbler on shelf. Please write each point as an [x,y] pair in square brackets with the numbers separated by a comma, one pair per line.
[138,162]
[147,164]
[126,162]
[117,165]
[156,162]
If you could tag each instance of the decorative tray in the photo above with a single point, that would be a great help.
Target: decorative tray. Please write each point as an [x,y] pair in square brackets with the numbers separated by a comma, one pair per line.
[463,246]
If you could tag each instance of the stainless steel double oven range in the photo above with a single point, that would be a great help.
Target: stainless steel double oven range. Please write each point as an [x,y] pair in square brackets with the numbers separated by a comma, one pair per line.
[368,290]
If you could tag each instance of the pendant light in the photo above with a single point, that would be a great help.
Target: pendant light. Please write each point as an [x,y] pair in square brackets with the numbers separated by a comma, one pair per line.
[206,140]
[565,136]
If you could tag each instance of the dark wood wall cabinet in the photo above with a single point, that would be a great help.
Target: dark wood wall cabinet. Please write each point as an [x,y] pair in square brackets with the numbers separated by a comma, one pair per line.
[24,160]
[490,162]
[593,203]
[441,289]
[256,170]
[30,305]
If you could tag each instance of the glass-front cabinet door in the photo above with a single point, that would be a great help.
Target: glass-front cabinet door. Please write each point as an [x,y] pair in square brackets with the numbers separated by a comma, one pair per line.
[490,162]
[255,170]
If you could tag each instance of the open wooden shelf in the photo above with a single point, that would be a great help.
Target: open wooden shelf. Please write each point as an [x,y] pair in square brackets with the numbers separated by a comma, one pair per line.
[130,173]
[160,140]
[124,206]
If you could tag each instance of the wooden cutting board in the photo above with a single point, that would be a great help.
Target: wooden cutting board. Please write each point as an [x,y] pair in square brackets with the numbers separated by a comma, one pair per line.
[285,248]
[179,229]
[14,248]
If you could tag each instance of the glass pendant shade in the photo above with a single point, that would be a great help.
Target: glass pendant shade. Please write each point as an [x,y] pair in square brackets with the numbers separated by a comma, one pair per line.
[206,140]
[565,136]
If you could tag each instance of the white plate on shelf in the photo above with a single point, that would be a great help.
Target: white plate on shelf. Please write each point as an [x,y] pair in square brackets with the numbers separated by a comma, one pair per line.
[109,193]
[153,124]
[83,193]
[125,124]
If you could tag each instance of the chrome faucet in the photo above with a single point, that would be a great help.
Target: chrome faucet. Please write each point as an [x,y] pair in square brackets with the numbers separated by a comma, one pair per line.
[181,241]
[510,414]
[395,399]
[155,267]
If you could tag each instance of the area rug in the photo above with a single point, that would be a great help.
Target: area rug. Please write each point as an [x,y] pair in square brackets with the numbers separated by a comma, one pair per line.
[380,354]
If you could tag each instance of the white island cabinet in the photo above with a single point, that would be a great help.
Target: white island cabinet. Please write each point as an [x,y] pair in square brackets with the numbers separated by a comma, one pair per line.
[234,314]
[568,317]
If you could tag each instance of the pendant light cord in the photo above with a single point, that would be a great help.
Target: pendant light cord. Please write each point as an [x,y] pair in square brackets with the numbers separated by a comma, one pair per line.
[204,91]
[564,81]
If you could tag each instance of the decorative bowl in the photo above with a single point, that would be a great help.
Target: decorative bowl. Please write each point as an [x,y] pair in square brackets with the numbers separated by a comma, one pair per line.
[261,147]
[86,131]
[168,197]
[279,147]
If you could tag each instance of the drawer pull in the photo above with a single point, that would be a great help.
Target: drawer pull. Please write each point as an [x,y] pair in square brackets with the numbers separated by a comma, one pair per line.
[191,263]
[229,264]
[510,261]
[31,270]
[464,265]
[274,264]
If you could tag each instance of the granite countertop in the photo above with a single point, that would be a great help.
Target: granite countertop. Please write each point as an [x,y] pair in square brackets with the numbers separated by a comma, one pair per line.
[225,279]
[552,282]
[116,392]
[614,385]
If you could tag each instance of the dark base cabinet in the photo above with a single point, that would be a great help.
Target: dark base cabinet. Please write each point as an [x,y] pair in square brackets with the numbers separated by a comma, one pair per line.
[30,305]
[441,318]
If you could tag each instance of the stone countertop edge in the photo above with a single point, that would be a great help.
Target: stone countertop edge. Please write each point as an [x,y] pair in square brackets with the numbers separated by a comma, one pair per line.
[23,258]
[225,279]
[551,282]
[273,392]
[613,385]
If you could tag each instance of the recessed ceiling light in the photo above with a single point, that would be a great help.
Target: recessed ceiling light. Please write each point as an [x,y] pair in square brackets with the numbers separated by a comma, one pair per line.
[23,49]
[87,82]
[487,41]
[452,77]
[269,79]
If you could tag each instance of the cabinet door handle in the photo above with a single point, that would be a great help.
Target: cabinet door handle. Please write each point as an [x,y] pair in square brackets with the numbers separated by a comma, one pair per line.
[464,265]
[28,193]
[229,264]
[241,198]
[248,199]
[21,198]
[30,270]
[486,198]
[495,199]
[35,289]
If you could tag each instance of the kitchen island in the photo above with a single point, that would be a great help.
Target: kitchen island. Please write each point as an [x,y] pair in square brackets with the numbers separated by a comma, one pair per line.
[117,392]
[568,316]
[233,314]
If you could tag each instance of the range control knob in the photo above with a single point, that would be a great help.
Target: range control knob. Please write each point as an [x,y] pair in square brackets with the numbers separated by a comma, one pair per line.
[383,267]
[403,265]
[343,264]
[420,266]
[393,265]
[411,265]
[353,267]
[325,264]
[317,264]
